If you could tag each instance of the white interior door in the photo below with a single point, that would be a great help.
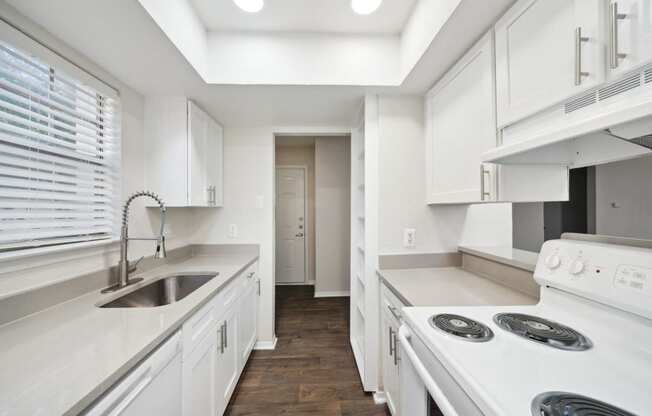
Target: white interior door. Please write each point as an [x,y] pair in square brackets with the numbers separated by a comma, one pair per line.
[290,225]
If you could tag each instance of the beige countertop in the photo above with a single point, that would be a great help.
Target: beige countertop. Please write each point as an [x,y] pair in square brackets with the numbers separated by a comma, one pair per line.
[59,360]
[526,260]
[449,286]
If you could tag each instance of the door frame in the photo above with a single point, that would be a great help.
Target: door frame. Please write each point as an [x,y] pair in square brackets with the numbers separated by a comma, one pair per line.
[306,262]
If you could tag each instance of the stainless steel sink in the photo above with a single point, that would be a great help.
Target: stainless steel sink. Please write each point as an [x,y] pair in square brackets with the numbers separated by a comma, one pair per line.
[163,291]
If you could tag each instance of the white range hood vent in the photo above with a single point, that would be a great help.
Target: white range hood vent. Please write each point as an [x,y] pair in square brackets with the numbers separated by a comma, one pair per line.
[610,123]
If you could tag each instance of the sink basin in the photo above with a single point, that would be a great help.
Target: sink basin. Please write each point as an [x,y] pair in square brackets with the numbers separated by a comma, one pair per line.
[161,292]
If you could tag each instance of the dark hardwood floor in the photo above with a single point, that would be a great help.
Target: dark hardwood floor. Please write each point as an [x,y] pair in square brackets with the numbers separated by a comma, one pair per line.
[312,371]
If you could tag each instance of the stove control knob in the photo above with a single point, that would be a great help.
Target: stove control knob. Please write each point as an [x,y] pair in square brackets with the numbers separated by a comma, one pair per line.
[577,267]
[553,261]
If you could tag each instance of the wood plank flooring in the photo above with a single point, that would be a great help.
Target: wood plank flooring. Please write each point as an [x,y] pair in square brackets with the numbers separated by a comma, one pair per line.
[311,371]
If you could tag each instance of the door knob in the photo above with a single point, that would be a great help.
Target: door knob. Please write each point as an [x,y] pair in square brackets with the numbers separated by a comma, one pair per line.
[300,235]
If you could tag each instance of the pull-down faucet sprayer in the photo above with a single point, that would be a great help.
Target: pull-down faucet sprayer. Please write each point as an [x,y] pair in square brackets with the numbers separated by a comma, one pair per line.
[124,268]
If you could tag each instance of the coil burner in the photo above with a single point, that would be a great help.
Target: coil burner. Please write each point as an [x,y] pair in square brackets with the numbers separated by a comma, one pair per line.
[543,331]
[462,327]
[569,404]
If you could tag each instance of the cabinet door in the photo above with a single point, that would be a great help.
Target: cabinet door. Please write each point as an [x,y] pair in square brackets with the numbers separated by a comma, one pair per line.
[390,362]
[536,50]
[461,127]
[198,130]
[228,357]
[248,316]
[214,162]
[631,22]
[199,388]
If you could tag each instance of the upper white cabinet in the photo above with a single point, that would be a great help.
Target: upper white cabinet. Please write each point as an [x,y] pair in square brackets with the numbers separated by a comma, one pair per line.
[183,153]
[629,42]
[547,51]
[461,127]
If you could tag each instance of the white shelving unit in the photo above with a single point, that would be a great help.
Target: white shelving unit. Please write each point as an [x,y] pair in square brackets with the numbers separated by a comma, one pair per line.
[364,283]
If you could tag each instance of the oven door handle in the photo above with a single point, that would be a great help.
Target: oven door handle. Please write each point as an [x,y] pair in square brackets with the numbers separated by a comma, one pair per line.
[447,409]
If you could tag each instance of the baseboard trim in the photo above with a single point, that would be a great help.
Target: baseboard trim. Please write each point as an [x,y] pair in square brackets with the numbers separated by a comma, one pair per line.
[380,397]
[266,345]
[333,294]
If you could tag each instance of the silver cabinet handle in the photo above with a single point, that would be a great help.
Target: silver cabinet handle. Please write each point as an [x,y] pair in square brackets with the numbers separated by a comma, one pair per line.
[578,56]
[483,192]
[210,195]
[222,339]
[614,16]
[395,312]
[391,341]
[395,350]
[226,334]
[258,281]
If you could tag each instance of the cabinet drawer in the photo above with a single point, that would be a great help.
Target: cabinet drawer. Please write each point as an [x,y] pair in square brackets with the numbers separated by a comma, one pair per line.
[195,329]
[229,294]
[390,303]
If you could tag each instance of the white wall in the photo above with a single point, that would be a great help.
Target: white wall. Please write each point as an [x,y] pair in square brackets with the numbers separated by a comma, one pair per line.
[183,27]
[402,191]
[296,59]
[627,184]
[249,204]
[303,156]
[427,19]
[333,215]
[36,271]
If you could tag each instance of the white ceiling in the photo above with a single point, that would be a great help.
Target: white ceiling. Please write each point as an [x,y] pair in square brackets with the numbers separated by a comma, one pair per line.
[324,16]
[121,37]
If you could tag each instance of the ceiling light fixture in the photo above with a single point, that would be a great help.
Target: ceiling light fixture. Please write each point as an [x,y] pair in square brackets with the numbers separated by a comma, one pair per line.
[250,6]
[365,6]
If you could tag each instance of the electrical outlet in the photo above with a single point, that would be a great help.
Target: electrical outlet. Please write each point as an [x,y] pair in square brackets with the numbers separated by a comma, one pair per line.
[233,231]
[408,237]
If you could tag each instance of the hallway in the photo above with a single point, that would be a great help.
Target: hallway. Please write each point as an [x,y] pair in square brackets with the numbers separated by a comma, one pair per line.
[312,371]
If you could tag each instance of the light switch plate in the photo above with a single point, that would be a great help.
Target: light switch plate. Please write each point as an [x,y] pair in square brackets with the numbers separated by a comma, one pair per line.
[408,237]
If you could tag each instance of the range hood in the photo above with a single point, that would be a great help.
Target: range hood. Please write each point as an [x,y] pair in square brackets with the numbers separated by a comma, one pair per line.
[609,123]
[611,144]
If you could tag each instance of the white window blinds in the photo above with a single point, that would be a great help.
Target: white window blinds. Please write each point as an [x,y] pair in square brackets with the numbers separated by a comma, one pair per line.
[59,154]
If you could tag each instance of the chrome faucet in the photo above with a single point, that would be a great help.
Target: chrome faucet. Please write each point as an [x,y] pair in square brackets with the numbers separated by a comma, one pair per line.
[124,266]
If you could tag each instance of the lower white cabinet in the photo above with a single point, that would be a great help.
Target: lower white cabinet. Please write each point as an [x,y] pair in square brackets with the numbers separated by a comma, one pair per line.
[247,326]
[199,378]
[390,321]
[153,387]
[227,366]
[218,339]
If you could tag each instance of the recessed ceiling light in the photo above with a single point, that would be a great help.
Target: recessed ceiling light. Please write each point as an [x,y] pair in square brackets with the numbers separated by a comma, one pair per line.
[365,6]
[250,6]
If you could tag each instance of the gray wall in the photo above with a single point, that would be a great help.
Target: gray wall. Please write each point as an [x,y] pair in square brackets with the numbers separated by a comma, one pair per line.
[528,226]
[332,215]
[624,198]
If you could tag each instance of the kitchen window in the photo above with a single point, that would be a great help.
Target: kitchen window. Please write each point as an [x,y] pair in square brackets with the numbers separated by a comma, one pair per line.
[59,149]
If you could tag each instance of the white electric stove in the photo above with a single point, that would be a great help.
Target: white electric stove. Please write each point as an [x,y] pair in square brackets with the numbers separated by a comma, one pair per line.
[584,349]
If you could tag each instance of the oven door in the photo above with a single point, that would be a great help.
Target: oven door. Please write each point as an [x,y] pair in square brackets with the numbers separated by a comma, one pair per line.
[427,389]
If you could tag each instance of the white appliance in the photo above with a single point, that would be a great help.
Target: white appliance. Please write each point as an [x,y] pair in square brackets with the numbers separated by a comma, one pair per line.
[152,388]
[587,343]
